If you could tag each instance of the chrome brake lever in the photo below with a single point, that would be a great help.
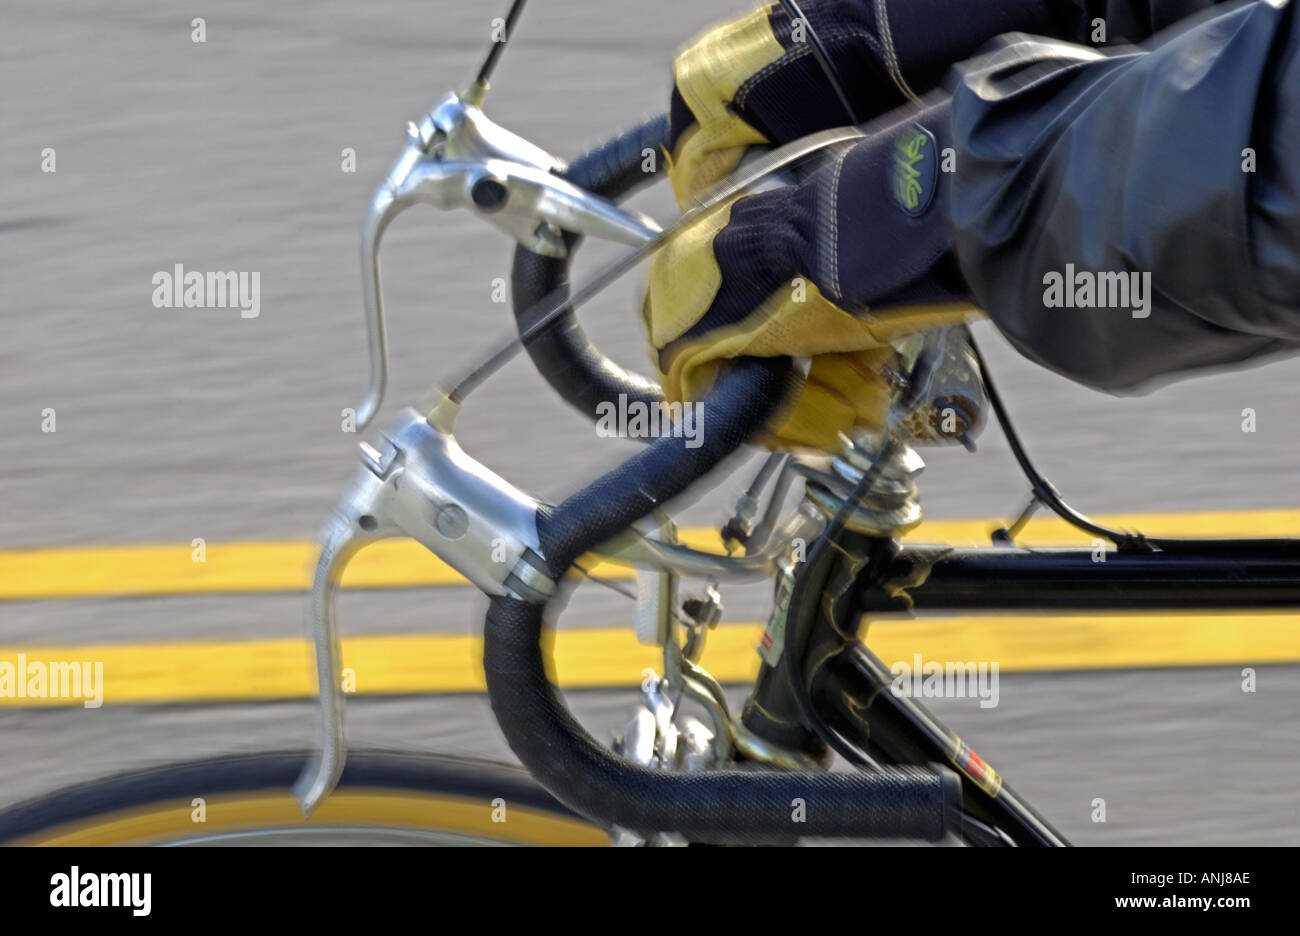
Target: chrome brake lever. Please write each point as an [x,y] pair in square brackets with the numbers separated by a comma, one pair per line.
[416,482]
[528,194]
[344,538]
[457,158]
[529,204]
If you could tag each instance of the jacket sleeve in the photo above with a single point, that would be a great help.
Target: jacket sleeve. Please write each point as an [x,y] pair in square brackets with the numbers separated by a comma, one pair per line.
[1128,21]
[1128,217]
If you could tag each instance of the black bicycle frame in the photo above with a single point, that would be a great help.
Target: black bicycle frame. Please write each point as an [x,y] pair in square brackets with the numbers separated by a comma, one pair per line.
[850,687]
[1216,574]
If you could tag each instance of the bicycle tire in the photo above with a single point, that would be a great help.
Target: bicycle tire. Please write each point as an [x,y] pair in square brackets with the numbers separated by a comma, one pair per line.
[383,798]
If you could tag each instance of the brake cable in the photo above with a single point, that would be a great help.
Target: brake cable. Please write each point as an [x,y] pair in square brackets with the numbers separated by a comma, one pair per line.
[1044,493]
[828,68]
[604,582]
[1043,490]
[498,45]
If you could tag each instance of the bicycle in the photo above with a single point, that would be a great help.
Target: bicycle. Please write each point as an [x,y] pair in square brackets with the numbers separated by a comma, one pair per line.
[820,691]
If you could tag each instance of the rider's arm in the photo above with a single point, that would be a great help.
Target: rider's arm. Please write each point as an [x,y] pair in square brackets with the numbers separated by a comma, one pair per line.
[1172,173]
[833,268]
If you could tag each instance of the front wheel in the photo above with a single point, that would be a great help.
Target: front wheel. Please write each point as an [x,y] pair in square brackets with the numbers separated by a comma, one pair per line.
[383,798]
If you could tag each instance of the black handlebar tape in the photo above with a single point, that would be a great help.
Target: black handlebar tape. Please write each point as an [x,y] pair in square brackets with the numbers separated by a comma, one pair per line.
[726,807]
[563,354]
[743,398]
[734,806]
[619,165]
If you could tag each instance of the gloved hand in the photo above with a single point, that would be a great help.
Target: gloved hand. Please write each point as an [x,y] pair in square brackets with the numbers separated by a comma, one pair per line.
[754,80]
[855,255]
[828,270]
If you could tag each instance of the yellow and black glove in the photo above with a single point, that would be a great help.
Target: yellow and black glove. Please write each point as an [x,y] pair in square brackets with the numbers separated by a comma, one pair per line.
[856,254]
[829,270]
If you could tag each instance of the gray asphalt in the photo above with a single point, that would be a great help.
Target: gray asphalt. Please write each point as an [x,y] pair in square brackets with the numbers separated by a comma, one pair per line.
[182,423]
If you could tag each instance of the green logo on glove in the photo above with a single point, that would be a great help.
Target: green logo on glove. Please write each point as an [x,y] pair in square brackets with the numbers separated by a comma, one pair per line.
[914,169]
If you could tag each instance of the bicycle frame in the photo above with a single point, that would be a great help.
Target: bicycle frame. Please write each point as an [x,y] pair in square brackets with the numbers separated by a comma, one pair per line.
[851,687]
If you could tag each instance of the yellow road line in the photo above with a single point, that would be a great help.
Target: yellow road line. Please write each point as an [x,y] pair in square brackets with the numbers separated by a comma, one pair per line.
[79,572]
[422,664]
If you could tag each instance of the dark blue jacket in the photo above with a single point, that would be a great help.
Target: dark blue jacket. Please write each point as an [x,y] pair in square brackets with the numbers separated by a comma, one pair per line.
[1181,161]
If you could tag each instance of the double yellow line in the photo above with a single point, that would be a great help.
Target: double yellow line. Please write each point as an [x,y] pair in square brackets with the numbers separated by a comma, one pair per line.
[145,673]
